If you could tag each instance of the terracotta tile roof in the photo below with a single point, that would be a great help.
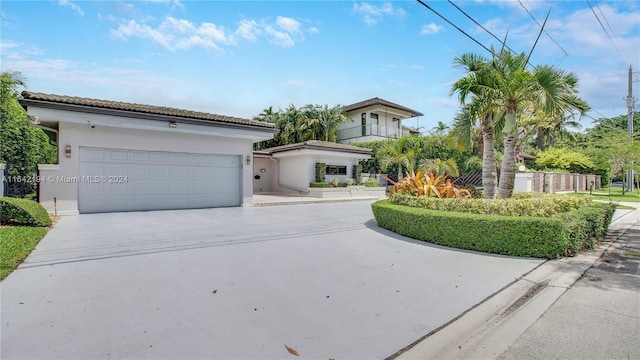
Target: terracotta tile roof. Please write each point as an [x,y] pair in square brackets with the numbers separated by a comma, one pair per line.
[381,102]
[140,108]
[319,145]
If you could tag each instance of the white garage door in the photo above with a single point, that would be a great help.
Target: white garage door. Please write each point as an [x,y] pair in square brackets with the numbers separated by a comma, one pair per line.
[132,180]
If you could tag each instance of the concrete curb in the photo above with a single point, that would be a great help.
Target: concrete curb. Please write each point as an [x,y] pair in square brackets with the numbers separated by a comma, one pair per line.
[488,329]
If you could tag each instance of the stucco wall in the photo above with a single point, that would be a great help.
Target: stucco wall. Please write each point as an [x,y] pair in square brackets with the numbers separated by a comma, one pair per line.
[83,135]
[299,169]
[268,180]
[385,124]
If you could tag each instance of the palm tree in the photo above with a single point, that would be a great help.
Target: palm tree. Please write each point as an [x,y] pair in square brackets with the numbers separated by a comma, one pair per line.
[550,128]
[395,153]
[513,85]
[484,107]
[440,128]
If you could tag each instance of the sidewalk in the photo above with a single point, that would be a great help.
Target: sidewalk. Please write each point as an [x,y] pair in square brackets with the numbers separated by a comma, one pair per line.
[584,307]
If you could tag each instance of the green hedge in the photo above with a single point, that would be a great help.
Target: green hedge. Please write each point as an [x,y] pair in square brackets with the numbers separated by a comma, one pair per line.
[318,185]
[539,205]
[22,212]
[586,226]
[508,235]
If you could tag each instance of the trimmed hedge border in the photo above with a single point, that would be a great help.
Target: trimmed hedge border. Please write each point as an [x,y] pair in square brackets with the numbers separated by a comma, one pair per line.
[539,237]
[15,211]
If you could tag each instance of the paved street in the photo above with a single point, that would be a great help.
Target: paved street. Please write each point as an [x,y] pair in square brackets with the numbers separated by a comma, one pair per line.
[598,317]
[322,279]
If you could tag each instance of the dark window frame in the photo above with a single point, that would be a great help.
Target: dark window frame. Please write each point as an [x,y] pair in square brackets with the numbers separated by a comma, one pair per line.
[336,170]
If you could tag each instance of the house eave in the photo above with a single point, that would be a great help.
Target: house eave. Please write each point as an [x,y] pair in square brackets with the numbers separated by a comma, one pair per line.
[26,103]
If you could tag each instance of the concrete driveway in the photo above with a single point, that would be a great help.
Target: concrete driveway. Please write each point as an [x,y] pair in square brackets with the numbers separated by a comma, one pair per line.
[322,279]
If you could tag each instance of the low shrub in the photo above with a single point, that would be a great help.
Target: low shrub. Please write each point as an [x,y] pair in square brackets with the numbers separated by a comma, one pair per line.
[318,185]
[507,235]
[543,206]
[23,212]
[335,182]
[544,237]
[371,182]
[586,226]
[350,182]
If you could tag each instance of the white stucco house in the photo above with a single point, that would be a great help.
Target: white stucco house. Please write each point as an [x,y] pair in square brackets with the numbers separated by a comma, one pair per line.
[375,119]
[291,168]
[116,156]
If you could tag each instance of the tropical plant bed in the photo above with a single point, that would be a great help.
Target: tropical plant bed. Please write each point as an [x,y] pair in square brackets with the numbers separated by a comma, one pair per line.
[527,236]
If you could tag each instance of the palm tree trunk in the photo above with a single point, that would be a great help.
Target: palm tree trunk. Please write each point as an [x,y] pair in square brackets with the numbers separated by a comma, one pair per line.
[540,137]
[508,168]
[489,176]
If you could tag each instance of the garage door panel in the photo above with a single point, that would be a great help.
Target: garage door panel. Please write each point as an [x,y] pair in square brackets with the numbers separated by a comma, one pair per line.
[157,180]
[92,154]
[118,155]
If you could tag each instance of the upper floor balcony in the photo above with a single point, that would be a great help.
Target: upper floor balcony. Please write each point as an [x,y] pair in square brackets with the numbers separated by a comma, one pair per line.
[372,131]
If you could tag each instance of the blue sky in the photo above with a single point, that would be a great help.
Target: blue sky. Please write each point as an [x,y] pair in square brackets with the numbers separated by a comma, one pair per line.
[237,58]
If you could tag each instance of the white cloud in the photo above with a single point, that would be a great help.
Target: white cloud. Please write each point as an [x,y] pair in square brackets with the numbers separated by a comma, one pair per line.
[431,28]
[373,13]
[180,34]
[175,34]
[288,24]
[72,6]
[248,30]
[313,30]
[279,38]
[133,29]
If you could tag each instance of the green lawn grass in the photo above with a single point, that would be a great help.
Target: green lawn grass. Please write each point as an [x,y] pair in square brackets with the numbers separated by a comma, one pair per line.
[616,195]
[17,243]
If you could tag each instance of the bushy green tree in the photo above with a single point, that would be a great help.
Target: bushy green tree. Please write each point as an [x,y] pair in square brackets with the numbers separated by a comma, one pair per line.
[309,122]
[565,159]
[22,146]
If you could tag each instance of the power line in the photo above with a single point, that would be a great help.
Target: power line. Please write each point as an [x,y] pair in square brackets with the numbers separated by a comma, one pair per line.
[615,45]
[483,28]
[545,31]
[452,24]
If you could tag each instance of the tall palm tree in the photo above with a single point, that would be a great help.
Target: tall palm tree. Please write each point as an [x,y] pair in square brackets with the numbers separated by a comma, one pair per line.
[483,108]
[513,85]
[395,153]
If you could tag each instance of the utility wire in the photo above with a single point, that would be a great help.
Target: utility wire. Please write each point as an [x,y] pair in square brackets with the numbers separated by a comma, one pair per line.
[545,31]
[452,24]
[615,45]
[483,28]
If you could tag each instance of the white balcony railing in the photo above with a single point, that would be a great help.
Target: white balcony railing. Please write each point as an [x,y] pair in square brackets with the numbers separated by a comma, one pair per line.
[369,130]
